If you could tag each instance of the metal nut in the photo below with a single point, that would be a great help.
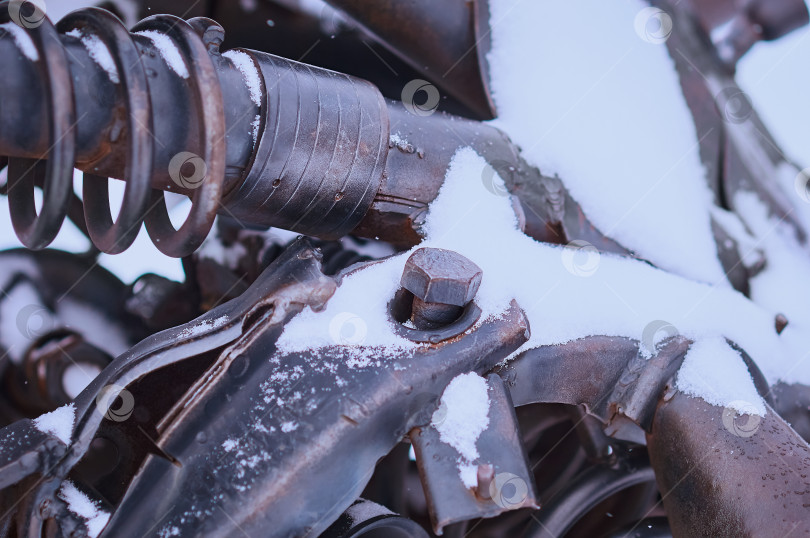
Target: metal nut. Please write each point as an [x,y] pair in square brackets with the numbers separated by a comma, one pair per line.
[435,275]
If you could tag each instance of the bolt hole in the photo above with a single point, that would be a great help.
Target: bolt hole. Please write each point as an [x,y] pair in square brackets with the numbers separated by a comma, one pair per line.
[401,305]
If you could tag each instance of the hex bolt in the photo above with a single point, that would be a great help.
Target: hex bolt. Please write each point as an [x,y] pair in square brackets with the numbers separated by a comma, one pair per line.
[442,282]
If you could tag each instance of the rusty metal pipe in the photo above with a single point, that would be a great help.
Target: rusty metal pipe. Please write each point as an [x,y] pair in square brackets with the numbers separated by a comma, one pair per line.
[722,475]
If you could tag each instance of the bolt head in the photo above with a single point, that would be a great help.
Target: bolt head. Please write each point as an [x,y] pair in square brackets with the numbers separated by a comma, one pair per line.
[441,276]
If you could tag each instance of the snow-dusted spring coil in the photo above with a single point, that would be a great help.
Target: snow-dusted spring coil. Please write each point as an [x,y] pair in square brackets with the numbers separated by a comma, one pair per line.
[134,118]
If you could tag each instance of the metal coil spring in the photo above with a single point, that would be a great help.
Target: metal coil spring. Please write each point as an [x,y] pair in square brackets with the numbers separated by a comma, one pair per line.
[141,203]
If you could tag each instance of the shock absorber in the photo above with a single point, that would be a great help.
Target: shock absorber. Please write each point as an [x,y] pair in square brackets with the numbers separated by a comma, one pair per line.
[263,139]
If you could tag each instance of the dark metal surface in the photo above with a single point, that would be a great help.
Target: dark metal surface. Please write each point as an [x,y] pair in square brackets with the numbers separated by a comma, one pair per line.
[25,450]
[791,401]
[585,492]
[724,480]
[287,285]
[448,45]
[324,444]
[371,520]
[653,527]
[401,312]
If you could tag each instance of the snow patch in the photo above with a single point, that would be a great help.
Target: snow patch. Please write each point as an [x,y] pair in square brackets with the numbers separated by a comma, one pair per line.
[81,505]
[289,426]
[364,293]
[464,414]
[244,63]
[257,121]
[58,422]
[167,532]
[468,473]
[99,53]
[23,41]
[460,420]
[609,117]
[167,50]
[714,371]
[203,327]
[22,319]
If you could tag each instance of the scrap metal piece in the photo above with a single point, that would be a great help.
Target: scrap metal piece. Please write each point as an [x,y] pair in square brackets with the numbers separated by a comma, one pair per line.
[504,480]
[642,383]
[313,421]
[44,376]
[37,229]
[726,475]
[399,210]
[737,150]
[780,323]
[449,45]
[583,371]
[161,303]
[736,258]
[735,26]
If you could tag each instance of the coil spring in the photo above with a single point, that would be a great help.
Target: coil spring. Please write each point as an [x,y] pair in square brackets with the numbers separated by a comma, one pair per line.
[141,204]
